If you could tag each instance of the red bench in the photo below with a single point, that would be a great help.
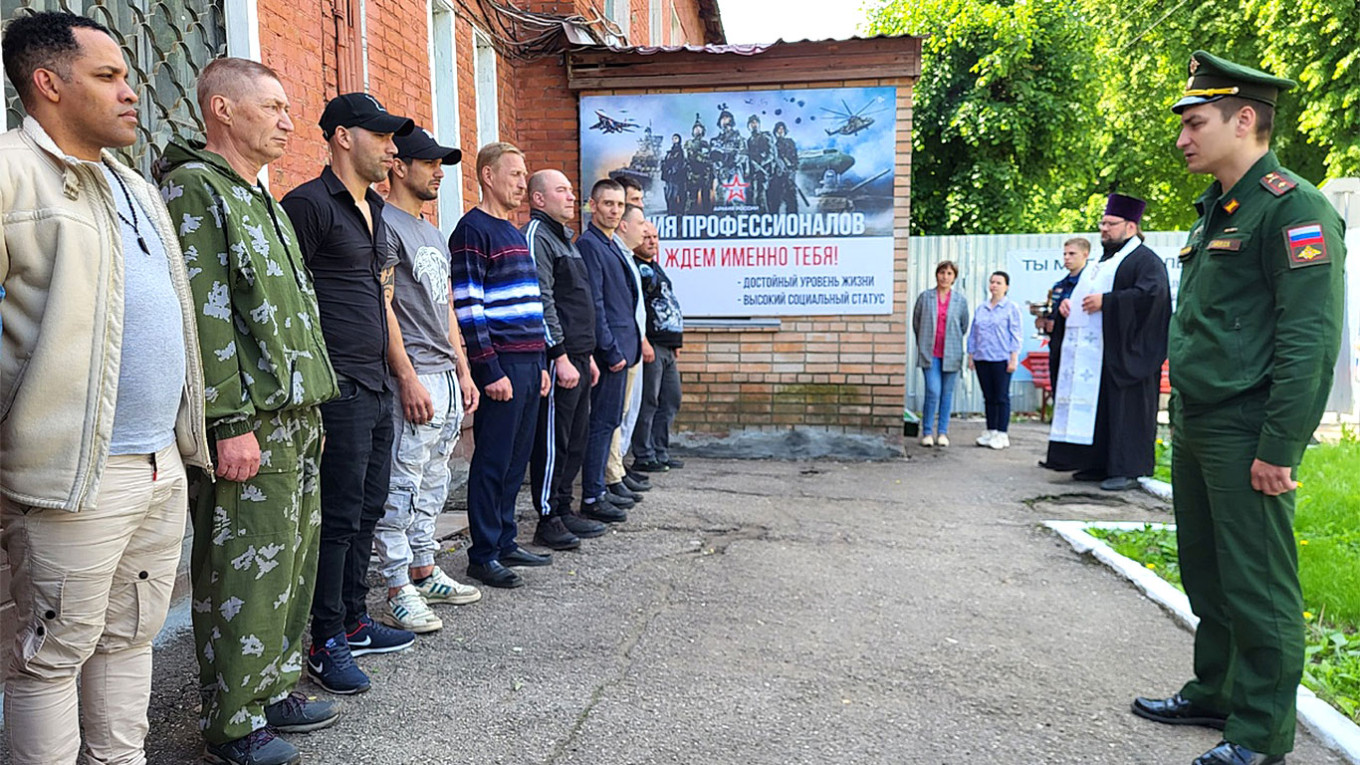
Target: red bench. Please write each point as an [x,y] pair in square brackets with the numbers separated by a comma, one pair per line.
[1037,364]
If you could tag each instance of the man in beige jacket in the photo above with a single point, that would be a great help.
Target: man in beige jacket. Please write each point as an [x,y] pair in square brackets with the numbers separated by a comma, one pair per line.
[101,400]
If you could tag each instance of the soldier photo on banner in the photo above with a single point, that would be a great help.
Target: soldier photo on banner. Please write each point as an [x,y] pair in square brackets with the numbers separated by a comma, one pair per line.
[780,182]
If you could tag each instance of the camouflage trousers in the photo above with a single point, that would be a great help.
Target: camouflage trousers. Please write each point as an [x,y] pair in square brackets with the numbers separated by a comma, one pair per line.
[253,570]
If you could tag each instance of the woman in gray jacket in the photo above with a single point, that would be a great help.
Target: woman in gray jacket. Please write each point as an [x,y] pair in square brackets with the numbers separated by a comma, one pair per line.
[939,321]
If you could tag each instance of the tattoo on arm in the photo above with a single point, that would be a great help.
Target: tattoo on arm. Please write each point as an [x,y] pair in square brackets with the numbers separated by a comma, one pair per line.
[388,279]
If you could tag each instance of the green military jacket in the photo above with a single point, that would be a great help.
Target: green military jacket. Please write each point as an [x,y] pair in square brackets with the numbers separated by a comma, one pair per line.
[1260,304]
[258,325]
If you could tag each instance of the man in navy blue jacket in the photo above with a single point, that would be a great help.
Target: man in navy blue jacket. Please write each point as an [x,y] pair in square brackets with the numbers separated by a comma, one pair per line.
[618,343]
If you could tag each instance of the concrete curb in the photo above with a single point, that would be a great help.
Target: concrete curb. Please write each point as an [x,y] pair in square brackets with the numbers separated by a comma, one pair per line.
[1334,729]
[1159,489]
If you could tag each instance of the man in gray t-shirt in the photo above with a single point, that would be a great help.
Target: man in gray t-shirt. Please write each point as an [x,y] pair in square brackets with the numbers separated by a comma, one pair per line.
[425,354]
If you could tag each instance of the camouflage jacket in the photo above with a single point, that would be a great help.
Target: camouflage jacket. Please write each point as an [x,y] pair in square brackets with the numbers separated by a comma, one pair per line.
[258,326]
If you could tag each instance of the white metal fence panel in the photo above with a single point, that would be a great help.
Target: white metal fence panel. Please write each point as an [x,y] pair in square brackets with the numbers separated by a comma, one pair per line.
[977,257]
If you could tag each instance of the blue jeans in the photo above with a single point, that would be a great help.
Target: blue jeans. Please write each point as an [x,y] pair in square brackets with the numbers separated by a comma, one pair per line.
[939,397]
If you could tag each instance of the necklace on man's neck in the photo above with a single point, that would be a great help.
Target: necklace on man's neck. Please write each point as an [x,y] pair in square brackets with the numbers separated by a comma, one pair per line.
[132,206]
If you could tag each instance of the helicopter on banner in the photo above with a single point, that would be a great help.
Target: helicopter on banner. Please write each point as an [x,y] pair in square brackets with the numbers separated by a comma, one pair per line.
[855,119]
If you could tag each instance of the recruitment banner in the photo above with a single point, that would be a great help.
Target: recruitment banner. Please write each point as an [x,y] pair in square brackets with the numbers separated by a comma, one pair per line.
[768,202]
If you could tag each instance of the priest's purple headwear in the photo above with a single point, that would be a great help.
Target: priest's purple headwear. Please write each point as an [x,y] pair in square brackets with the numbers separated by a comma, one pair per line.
[1129,208]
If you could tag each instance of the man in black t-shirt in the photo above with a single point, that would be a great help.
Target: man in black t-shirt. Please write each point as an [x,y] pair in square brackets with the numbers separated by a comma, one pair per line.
[339,223]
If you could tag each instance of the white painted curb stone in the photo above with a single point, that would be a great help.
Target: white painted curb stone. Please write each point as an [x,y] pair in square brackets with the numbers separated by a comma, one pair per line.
[1334,729]
[1159,489]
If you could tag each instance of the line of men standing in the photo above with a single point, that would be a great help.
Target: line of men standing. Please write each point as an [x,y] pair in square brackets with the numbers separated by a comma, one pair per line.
[290,373]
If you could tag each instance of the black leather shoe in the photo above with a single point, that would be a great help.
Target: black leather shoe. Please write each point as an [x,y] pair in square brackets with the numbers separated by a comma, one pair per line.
[674,463]
[1232,754]
[581,526]
[601,510]
[1177,711]
[618,501]
[620,490]
[522,557]
[1089,475]
[554,534]
[636,485]
[650,466]
[1119,483]
[493,574]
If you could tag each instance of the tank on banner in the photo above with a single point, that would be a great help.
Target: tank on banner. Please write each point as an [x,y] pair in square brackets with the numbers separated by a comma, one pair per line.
[770,202]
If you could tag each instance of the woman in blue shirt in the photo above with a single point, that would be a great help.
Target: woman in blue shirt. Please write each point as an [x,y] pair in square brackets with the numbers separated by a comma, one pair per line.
[993,352]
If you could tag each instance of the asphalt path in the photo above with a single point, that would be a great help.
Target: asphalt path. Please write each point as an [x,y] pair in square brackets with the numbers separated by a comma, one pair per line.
[910,611]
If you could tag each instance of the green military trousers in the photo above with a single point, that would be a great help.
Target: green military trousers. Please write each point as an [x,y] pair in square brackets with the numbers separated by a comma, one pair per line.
[253,570]
[1240,569]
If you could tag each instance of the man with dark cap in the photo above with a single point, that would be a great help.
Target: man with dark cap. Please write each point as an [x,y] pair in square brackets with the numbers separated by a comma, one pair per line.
[434,390]
[1253,344]
[339,223]
[1110,364]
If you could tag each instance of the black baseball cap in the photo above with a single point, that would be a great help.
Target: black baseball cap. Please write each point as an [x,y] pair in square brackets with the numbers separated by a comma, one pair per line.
[364,111]
[419,144]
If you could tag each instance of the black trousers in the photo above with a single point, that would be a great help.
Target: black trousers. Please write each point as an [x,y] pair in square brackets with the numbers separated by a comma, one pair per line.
[560,442]
[504,433]
[995,382]
[606,413]
[660,401]
[356,468]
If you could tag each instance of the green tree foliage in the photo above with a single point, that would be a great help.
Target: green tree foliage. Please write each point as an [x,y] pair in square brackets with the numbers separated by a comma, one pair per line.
[1029,112]
[1006,98]
[1144,51]
[1317,42]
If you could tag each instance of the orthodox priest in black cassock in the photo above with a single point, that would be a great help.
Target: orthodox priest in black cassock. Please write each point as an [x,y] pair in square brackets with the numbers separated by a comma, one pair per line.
[1115,335]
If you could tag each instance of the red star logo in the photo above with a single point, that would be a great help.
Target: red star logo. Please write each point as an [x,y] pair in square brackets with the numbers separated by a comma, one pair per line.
[735,188]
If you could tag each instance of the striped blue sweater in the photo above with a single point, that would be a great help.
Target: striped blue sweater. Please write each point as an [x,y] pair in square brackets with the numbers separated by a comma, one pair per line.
[495,295]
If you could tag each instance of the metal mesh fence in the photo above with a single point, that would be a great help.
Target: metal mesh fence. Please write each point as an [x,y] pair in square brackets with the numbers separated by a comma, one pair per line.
[167,43]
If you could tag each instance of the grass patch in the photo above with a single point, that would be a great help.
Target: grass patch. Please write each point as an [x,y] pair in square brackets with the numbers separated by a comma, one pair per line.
[1327,529]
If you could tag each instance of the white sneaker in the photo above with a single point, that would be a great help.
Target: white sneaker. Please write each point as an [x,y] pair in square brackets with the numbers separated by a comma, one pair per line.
[927,440]
[442,588]
[986,438]
[1000,440]
[407,611]
[942,440]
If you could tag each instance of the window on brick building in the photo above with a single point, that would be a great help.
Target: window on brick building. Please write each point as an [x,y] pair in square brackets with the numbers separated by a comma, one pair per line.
[166,42]
[444,84]
[488,103]
[654,17]
[677,31]
[617,12]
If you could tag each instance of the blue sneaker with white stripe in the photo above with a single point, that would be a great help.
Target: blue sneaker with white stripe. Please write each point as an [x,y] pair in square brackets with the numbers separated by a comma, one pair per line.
[371,637]
[331,666]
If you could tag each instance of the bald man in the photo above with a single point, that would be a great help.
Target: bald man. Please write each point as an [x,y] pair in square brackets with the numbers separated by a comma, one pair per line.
[267,371]
[569,312]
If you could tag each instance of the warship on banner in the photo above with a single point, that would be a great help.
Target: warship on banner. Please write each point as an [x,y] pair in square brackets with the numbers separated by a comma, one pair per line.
[645,166]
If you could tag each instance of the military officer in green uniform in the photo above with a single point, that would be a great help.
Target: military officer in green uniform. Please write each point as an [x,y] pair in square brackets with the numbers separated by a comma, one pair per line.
[1252,346]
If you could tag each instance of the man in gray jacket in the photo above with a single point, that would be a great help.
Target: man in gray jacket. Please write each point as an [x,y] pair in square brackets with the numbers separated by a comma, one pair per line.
[101,398]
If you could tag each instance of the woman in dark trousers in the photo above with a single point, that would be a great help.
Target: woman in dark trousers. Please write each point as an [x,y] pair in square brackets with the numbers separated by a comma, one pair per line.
[993,352]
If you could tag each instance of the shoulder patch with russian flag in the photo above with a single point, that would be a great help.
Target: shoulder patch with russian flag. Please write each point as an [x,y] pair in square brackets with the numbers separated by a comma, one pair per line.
[1306,245]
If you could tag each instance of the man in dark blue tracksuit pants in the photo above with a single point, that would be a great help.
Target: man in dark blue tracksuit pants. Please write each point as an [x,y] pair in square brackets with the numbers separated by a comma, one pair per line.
[618,343]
